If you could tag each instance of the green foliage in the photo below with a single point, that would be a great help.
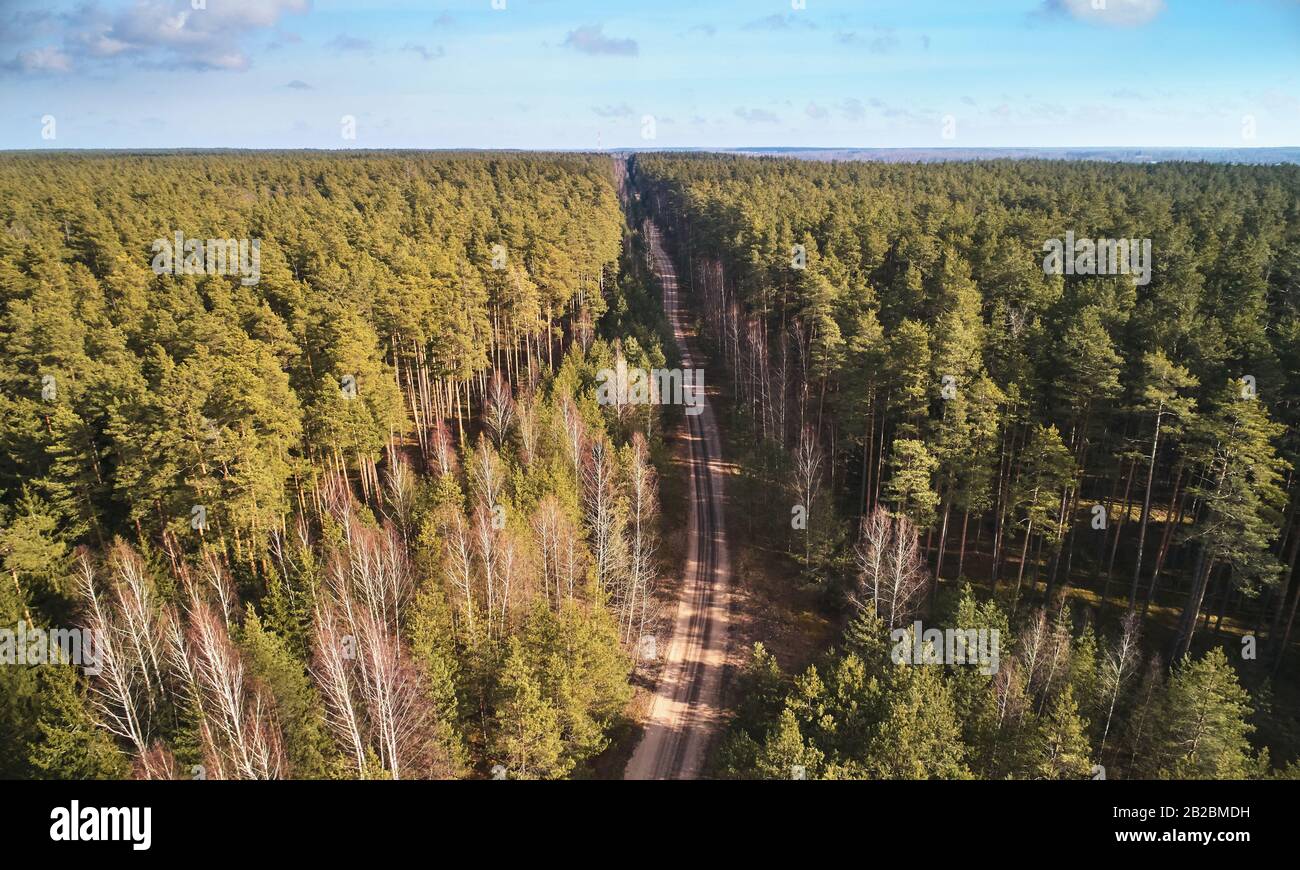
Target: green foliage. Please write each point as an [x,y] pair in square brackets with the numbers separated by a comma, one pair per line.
[857,714]
[527,723]
[785,754]
[34,555]
[19,691]
[910,489]
[1202,729]
[1060,749]
[297,703]
[378,273]
[339,395]
[918,735]
[71,745]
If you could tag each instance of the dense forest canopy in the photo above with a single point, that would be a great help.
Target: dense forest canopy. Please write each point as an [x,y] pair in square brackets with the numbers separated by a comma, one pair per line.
[1110,459]
[357,514]
[360,513]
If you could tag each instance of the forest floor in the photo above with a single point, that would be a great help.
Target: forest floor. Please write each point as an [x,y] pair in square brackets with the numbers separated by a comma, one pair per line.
[794,621]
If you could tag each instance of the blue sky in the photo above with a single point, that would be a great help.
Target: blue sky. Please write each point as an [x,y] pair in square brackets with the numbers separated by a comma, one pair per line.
[649,73]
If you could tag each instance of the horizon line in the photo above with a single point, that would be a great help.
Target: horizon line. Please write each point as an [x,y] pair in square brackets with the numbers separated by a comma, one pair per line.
[642,148]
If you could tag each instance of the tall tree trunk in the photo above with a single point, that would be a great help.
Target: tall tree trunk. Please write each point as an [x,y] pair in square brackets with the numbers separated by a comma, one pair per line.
[1192,610]
[943,540]
[1173,520]
[961,554]
[1146,512]
[1120,526]
[1024,556]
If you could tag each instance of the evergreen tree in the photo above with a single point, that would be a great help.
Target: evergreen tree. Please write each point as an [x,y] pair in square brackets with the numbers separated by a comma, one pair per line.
[1241,486]
[917,735]
[910,489]
[527,725]
[1061,747]
[1159,396]
[1047,469]
[1203,726]
[785,754]
[69,744]
[298,705]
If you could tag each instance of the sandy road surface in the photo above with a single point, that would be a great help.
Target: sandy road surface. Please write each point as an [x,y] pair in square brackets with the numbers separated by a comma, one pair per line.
[686,706]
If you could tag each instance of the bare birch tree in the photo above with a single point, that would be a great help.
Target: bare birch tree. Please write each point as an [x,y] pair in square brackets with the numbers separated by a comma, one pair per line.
[575,432]
[556,539]
[605,520]
[498,409]
[374,693]
[892,576]
[808,460]
[238,731]
[458,569]
[643,542]
[123,693]
[1118,662]
[151,653]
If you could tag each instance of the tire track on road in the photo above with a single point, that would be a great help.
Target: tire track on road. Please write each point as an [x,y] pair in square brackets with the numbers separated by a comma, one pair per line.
[686,707]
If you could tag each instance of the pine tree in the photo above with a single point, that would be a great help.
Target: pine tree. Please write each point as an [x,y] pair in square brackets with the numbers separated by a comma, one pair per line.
[785,754]
[34,554]
[1061,750]
[71,745]
[298,705]
[1160,396]
[760,689]
[1089,368]
[909,376]
[975,697]
[917,735]
[432,639]
[910,489]
[1241,485]
[19,691]
[1204,724]
[1083,670]
[1047,469]
[582,673]
[526,725]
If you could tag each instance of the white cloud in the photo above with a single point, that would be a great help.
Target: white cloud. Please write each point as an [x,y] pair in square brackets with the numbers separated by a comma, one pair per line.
[591,39]
[881,40]
[852,109]
[426,54]
[343,42]
[788,21]
[171,33]
[1113,13]
[756,116]
[42,60]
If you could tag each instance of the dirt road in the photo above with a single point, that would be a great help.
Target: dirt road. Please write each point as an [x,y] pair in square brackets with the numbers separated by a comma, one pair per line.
[686,706]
